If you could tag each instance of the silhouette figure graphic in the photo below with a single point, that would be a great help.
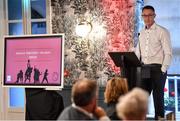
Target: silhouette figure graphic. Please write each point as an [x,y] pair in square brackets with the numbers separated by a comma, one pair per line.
[28,64]
[28,72]
[20,77]
[45,76]
[36,75]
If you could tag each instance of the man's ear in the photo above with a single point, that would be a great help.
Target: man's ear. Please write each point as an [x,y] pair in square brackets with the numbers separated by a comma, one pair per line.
[154,15]
[94,100]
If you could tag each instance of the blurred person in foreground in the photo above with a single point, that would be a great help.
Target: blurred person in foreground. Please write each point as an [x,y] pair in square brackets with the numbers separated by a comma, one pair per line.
[115,88]
[133,105]
[84,103]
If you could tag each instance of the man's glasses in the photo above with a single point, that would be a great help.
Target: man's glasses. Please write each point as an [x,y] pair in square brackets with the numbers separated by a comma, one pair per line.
[146,16]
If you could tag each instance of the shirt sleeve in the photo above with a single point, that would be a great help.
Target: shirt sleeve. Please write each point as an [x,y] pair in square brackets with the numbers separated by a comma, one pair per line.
[137,50]
[167,48]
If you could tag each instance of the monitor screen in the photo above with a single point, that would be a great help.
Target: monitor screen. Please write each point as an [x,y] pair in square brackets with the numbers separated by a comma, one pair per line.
[34,61]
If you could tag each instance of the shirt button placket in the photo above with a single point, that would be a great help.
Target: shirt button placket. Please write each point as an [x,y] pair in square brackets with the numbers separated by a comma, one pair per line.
[146,48]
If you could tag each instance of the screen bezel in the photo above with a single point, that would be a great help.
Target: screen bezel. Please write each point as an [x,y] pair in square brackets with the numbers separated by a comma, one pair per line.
[50,86]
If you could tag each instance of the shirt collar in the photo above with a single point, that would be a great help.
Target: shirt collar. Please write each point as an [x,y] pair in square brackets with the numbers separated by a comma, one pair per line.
[152,27]
[82,110]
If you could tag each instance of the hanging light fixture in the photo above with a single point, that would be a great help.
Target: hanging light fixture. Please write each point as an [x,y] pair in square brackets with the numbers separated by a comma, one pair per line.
[83,28]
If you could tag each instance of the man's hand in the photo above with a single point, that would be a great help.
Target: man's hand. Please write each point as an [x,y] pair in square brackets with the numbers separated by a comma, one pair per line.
[99,112]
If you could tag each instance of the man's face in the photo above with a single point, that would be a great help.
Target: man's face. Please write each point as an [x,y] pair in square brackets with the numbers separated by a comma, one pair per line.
[148,16]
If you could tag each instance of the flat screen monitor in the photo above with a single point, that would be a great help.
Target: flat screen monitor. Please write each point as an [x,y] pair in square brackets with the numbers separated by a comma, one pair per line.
[34,61]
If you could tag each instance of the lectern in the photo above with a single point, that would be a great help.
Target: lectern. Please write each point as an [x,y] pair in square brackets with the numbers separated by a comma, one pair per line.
[130,66]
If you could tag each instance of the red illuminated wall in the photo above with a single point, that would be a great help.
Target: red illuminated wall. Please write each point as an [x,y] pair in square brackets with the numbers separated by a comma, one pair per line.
[120,25]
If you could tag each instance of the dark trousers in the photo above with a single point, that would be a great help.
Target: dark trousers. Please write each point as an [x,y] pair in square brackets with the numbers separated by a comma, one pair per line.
[155,84]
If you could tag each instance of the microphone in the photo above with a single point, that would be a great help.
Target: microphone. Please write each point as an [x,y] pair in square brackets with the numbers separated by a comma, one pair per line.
[138,34]
[139,49]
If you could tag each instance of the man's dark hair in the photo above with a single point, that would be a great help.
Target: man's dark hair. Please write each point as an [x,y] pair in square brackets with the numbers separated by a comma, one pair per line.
[83,92]
[148,7]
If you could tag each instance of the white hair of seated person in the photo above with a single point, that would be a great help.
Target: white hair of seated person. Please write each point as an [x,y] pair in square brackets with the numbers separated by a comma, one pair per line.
[133,105]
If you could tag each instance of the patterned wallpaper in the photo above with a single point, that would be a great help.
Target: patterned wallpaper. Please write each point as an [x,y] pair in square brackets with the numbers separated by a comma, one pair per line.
[138,20]
[112,30]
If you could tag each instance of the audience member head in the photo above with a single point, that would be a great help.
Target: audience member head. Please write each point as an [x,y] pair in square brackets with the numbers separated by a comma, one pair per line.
[115,87]
[84,93]
[133,105]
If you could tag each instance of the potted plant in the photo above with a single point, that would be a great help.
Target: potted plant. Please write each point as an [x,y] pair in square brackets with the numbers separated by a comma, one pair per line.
[169,102]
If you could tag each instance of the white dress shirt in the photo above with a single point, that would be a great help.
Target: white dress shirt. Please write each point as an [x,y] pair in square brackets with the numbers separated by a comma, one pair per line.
[155,46]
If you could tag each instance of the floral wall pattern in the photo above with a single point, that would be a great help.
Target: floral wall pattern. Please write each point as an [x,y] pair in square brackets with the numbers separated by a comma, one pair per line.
[112,30]
[138,20]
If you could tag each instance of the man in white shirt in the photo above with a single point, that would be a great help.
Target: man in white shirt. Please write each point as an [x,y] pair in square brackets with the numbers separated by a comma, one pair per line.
[154,50]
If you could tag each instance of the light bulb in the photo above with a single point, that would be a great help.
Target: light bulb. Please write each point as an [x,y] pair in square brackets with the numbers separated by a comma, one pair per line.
[83,29]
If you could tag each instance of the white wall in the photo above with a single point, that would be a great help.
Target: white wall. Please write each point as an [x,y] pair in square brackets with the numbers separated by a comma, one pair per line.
[168,15]
[1,48]
[1,52]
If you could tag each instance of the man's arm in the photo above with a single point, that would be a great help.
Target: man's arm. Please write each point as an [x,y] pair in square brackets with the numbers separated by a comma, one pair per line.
[167,48]
[137,51]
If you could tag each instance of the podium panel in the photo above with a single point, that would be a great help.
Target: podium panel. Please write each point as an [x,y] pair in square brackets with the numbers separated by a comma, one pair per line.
[128,59]
[130,66]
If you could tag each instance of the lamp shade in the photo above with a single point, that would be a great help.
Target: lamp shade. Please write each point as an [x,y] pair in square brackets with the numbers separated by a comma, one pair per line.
[83,28]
